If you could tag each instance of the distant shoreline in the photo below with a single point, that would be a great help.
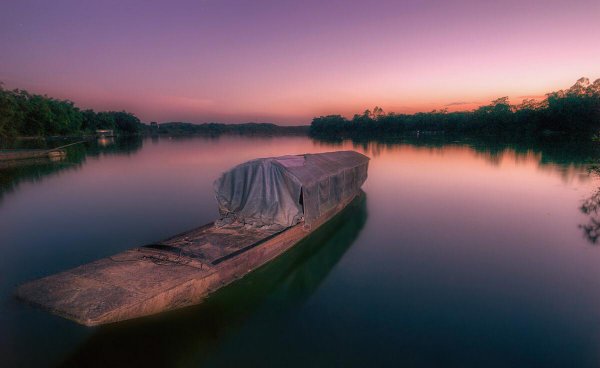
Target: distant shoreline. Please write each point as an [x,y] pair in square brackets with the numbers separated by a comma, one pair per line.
[216,129]
[189,129]
[574,112]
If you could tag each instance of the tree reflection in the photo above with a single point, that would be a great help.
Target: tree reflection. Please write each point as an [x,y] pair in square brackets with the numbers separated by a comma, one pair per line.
[591,207]
[12,173]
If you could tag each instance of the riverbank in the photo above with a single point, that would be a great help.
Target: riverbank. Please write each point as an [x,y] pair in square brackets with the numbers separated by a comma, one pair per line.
[215,129]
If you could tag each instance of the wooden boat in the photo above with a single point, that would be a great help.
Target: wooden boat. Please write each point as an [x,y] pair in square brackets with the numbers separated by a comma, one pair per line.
[267,206]
[291,279]
[13,155]
[54,154]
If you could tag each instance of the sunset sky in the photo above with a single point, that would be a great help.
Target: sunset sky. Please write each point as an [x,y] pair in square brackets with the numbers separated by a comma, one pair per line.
[287,61]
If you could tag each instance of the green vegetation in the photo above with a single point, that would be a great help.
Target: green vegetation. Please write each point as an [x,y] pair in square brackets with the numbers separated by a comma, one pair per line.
[25,114]
[29,115]
[215,129]
[573,112]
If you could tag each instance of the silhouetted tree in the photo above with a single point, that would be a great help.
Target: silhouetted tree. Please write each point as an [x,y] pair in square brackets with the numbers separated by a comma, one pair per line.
[573,112]
[22,113]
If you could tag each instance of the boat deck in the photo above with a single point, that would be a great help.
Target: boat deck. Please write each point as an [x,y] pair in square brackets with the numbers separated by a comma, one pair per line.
[146,279]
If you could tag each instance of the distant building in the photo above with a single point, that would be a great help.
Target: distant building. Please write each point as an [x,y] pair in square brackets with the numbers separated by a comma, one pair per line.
[103,133]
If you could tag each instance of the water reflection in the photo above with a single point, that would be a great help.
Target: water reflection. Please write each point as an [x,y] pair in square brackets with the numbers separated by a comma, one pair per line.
[564,157]
[34,170]
[121,145]
[457,259]
[198,331]
[590,207]
[106,141]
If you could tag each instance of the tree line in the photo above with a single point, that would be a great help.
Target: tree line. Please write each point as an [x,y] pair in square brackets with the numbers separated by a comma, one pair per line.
[216,129]
[573,112]
[26,114]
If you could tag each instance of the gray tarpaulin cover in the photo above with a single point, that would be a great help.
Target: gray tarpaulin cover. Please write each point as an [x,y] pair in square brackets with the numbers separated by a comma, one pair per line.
[279,192]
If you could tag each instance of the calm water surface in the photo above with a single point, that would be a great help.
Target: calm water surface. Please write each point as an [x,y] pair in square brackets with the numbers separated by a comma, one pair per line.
[458,256]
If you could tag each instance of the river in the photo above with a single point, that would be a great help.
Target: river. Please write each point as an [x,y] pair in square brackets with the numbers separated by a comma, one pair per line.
[459,255]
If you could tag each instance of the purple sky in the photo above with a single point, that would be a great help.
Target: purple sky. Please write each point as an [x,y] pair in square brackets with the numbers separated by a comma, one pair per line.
[287,61]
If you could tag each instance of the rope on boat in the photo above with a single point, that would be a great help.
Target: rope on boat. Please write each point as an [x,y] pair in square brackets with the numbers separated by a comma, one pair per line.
[66,145]
[160,259]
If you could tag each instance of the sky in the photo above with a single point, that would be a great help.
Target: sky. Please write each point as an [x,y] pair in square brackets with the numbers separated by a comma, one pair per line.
[288,61]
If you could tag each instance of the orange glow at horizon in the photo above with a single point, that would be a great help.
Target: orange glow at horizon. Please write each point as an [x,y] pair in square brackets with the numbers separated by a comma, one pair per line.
[286,63]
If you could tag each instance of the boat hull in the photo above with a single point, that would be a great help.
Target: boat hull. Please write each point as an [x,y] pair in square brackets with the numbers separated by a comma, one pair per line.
[175,273]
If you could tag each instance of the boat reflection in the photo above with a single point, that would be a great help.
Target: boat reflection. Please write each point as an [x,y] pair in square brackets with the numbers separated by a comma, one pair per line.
[198,331]
[106,141]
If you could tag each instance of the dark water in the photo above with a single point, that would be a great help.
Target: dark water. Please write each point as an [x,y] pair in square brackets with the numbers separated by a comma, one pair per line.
[459,255]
